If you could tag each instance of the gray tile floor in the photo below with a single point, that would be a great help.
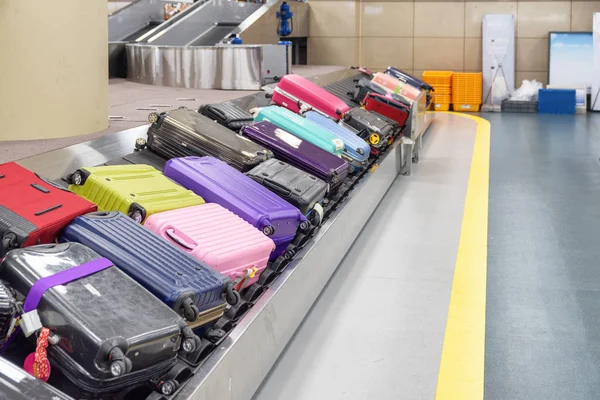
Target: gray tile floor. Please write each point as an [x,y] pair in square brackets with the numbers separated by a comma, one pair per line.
[376,331]
[543,291]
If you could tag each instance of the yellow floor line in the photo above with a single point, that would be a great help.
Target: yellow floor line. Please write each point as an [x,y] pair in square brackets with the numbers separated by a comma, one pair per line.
[462,364]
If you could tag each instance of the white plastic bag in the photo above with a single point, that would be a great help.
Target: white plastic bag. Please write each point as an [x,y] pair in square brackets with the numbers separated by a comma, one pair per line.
[527,92]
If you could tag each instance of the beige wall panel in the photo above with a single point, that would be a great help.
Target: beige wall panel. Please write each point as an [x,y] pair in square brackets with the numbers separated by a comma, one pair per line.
[439,19]
[475,11]
[532,54]
[581,14]
[332,51]
[472,54]
[334,19]
[438,53]
[54,67]
[387,19]
[536,18]
[384,52]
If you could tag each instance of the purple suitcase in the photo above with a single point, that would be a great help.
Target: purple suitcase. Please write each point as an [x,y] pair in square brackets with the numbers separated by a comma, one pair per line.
[219,183]
[297,152]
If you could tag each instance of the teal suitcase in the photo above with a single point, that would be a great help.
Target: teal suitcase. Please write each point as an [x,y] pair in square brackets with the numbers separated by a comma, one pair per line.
[300,127]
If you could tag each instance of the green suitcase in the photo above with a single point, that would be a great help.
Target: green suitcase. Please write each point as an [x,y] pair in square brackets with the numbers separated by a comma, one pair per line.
[136,190]
[300,127]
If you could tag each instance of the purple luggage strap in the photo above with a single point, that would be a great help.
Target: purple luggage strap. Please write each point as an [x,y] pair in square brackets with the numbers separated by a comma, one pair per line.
[60,278]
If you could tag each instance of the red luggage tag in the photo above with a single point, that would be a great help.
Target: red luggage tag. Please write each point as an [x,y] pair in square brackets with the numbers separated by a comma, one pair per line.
[37,363]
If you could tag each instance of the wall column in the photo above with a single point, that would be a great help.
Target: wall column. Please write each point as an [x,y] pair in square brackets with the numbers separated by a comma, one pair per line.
[53,68]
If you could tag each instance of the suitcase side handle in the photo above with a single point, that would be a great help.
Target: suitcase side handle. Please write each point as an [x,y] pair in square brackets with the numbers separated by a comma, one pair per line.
[170,232]
[277,187]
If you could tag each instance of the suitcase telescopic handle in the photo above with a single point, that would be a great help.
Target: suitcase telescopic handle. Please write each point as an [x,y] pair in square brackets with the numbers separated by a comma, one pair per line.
[277,187]
[178,240]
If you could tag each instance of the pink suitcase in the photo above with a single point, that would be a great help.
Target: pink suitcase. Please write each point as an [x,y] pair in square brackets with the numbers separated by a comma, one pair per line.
[396,86]
[217,237]
[298,94]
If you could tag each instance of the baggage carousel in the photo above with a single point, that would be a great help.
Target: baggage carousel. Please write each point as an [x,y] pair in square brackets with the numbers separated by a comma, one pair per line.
[239,364]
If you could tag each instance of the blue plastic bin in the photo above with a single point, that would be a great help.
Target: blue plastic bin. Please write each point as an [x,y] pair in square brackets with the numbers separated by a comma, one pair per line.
[556,101]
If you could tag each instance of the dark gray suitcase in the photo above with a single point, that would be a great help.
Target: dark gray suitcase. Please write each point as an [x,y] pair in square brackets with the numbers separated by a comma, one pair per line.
[373,125]
[299,188]
[227,114]
[344,89]
[112,332]
[184,132]
[16,384]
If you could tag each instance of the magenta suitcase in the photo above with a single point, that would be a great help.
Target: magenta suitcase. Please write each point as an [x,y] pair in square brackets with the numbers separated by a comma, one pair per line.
[218,237]
[298,94]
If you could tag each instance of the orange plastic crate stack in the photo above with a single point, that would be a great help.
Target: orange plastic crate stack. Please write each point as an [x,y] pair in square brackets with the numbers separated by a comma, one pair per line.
[442,88]
[467,91]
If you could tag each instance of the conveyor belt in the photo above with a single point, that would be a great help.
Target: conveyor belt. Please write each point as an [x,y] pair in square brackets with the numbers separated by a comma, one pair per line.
[250,350]
[342,87]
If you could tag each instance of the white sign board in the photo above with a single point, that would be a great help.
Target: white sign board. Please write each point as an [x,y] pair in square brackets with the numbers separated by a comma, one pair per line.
[498,57]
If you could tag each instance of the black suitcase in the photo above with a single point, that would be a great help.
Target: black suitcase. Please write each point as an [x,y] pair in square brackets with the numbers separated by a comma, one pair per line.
[184,132]
[112,333]
[299,188]
[16,384]
[8,309]
[227,114]
[376,129]
[365,86]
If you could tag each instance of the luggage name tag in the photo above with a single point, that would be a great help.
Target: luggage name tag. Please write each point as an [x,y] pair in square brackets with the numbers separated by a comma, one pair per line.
[241,281]
[37,363]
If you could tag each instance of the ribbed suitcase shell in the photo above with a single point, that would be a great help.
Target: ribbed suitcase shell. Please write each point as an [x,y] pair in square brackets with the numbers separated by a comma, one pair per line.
[297,152]
[297,187]
[394,85]
[297,93]
[184,132]
[118,187]
[389,108]
[222,184]
[408,78]
[217,237]
[95,313]
[166,271]
[356,150]
[33,210]
[8,309]
[16,384]
[301,127]
[227,114]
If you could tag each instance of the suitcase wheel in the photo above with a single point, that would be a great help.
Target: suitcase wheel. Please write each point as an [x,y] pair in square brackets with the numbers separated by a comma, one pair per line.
[268,230]
[140,144]
[78,177]
[232,296]
[189,310]
[9,241]
[120,364]
[137,213]
[167,388]
[153,117]
[304,226]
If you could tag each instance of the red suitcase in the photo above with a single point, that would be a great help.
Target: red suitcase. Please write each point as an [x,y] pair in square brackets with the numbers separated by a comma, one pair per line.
[32,210]
[298,94]
[387,107]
